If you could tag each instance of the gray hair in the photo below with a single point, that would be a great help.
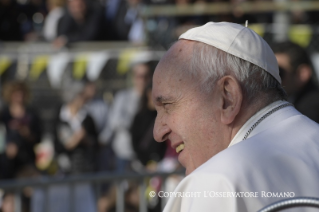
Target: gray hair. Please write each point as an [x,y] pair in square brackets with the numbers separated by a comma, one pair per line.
[209,64]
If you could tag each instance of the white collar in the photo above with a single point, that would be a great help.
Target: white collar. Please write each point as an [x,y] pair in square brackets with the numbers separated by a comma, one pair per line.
[243,130]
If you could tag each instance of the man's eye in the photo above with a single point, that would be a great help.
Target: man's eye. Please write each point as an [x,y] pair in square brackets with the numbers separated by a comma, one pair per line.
[166,106]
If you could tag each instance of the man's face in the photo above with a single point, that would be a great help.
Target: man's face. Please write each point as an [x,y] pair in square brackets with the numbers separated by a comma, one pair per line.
[185,116]
[77,8]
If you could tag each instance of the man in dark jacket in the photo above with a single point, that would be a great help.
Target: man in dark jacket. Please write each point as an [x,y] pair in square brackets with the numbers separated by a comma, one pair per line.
[81,22]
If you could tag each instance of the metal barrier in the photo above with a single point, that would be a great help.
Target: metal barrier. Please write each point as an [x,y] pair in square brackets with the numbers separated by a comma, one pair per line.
[16,186]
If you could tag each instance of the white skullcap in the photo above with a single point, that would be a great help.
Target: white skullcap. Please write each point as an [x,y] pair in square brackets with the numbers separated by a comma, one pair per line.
[236,40]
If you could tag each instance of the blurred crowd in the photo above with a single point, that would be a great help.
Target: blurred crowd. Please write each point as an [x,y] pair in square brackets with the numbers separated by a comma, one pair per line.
[90,135]
[65,21]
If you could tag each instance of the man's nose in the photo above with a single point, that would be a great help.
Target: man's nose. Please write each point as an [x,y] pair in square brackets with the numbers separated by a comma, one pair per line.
[161,130]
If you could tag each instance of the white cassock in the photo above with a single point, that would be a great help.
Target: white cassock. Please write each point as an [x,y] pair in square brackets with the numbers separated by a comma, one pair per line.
[280,156]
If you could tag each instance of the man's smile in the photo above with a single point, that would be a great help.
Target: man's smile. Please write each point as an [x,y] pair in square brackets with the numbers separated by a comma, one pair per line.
[180,148]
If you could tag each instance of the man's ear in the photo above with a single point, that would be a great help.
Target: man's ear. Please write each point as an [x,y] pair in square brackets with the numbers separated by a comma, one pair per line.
[304,73]
[231,98]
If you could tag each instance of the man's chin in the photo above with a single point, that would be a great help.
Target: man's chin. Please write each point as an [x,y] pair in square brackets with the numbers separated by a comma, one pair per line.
[186,162]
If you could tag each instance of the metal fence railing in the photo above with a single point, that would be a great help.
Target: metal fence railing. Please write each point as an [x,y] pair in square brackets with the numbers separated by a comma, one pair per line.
[45,184]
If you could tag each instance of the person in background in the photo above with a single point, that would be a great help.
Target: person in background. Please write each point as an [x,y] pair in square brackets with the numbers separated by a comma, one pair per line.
[124,108]
[56,11]
[23,130]
[7,203]
[96,107]
[147,150]
[77,147]
[111,12]
[149,153]
[99,110]
[81,22]
[298,78]
[128,25]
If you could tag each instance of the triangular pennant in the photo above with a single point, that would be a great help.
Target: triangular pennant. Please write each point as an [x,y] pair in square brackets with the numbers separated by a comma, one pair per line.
[56,67]
[96,63]
[5,63]
[79,67]
[258,28]
[38,66]
[300,34]
[124,62]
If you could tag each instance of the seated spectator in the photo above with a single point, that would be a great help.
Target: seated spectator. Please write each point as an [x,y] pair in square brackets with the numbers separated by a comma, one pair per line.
[23,130]
[81,22]
[147,150]
[298,78]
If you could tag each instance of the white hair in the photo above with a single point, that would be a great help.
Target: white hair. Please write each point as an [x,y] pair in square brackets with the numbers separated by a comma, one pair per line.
[209,64]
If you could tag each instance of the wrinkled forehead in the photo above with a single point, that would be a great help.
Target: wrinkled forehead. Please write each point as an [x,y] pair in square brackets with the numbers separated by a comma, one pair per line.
[172,72]
[176,61]
[179,55]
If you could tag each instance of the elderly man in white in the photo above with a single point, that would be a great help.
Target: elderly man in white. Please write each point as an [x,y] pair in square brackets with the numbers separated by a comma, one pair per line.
[220,104]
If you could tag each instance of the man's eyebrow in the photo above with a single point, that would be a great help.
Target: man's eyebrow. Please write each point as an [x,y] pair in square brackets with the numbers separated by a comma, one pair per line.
[161,99]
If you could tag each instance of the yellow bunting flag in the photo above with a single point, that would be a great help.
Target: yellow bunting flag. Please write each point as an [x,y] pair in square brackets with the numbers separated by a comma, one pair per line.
[258,28]
[38,66]
[300,34]
[79,67]
[5,63]
[123,65]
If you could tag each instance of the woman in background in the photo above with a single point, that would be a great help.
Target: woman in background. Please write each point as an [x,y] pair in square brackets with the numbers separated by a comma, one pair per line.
[23,130]
[148,151]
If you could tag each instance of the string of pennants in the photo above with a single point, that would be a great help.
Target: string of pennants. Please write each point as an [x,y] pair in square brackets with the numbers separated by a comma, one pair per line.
[300,34]
[90,64]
